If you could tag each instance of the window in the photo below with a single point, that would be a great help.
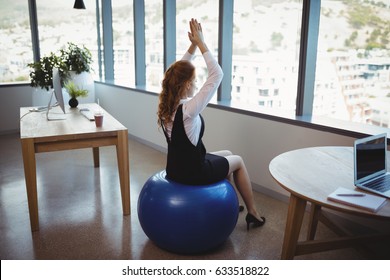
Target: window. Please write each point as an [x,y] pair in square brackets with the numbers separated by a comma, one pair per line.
[123,42]
[352,78]
[59,23]
[15,44]
[266,37]
[353,62]
[154,43]
[263,92]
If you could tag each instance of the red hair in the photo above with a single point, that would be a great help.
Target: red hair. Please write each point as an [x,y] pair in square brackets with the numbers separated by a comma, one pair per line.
[173,89]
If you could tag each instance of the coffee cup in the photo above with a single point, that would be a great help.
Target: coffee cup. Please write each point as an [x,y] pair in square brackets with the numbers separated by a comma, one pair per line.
[99,119]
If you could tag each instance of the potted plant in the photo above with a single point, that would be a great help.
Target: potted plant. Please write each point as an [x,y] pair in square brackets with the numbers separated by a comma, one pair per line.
[41,74]
[72,61]
[77,59]
[74,92]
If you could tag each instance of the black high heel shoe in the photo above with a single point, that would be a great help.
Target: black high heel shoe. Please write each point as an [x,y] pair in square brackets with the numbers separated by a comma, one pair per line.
[250,219]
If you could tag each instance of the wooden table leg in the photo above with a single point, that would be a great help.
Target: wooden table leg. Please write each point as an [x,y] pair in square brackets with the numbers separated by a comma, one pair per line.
[296,210]
[123,168]
[96,158]
[313,221]
[31,181]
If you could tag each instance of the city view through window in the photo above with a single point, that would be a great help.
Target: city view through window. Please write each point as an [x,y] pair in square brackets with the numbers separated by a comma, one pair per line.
[15,41]
[266,41]
[353,62]
[352,79]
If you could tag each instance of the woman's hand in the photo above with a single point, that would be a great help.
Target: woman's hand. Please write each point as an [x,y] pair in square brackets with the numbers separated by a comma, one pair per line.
[196,35]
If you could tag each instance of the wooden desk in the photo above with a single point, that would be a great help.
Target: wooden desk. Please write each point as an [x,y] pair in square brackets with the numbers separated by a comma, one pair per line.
[39,135]
[310,175]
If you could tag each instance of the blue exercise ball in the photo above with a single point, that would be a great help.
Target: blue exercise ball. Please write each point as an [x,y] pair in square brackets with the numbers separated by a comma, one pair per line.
[187,219]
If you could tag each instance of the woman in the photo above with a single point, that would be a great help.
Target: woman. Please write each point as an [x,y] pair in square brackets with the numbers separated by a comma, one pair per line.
[179,116]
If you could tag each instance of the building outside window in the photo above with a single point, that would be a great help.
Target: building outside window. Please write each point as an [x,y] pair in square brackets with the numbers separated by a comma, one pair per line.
[123,42]
[266,41]
[15,42]
[154,43]
[59,23]
[353,62]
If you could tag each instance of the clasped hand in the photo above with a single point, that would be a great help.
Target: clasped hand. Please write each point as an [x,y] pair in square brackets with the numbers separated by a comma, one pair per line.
[196,34]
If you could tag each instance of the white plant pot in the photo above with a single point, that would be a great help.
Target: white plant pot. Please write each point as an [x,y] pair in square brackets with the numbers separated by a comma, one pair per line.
[85,81]
[40,97]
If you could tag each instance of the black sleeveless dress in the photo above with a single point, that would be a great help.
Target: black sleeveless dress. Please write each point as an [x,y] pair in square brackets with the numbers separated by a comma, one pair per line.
[189,164]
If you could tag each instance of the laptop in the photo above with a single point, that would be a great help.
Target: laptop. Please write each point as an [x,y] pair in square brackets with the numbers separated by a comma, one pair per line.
[370,165]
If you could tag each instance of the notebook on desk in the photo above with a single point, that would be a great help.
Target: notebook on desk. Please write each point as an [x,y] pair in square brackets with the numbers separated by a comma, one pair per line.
[370,165]
[358,199]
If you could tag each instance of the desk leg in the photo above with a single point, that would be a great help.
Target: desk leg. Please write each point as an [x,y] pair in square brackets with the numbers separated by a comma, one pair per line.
[96,157]
[315,211]
[31,181]
[296,210]
[123,168]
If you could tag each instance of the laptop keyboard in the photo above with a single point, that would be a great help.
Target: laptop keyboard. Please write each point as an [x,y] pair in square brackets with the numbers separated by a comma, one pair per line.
[380,184]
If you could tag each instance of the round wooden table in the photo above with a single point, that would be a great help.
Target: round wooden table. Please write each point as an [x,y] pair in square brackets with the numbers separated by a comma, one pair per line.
[310,175]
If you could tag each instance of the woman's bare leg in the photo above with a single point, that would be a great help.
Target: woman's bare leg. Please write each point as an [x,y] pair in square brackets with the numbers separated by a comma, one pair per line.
[242,182]
[237,170]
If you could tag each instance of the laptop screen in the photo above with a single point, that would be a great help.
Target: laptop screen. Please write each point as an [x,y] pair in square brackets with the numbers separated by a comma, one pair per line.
[370,157]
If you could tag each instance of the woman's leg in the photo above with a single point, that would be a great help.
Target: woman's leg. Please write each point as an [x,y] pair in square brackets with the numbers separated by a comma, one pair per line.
[237,170]
[241,179]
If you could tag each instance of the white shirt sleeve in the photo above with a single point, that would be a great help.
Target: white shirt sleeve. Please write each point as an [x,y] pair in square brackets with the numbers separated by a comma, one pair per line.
[194,106]
[188,56]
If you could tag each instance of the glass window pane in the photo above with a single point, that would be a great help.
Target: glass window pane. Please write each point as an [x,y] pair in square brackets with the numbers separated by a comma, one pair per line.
[123,36]
[154,43]
[15,43]
[353,62]
[59,23]
[266,40]
[208,16]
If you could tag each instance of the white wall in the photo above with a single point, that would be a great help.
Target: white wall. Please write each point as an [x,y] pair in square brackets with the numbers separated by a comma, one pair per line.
[256,140]
[12,98]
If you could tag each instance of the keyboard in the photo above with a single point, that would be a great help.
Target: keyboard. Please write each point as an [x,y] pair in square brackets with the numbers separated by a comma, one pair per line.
[87,113]
[381,184]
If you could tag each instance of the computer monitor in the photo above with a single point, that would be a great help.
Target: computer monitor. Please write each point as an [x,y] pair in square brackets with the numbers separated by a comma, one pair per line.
[57,92]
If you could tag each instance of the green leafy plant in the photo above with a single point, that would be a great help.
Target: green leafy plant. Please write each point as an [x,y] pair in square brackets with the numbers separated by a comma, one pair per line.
[69,58]
[75,91]
[41,74]
[76,58]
